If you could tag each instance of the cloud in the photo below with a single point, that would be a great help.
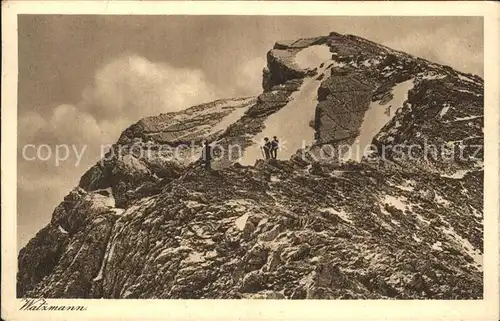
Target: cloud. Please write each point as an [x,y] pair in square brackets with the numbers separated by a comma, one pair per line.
[249,80]
[133,87]
[124,90]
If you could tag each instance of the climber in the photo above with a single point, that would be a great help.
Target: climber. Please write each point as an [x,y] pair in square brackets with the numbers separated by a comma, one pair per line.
[388,111]
[274,147]
[267,148]
[207,155]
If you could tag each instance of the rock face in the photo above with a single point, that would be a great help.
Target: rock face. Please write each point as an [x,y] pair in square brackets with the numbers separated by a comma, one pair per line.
[399,222]
[343,100]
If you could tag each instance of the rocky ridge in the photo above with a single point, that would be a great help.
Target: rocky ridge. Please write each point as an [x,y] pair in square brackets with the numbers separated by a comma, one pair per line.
[147,225]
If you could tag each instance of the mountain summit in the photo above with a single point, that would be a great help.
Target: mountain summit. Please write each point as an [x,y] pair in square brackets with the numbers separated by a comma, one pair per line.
[376,193]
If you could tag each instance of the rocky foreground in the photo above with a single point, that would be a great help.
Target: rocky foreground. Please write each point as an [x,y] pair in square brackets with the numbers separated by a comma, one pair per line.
[145,225]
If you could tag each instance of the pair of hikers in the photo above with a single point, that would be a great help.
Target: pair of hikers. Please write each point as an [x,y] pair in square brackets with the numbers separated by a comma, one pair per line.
[270,148]
[270,151]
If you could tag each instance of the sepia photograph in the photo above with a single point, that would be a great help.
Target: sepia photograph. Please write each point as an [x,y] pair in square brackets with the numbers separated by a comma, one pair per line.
[249,157]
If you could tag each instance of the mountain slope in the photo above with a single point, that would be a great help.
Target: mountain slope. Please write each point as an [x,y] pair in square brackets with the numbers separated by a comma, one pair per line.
[397,221]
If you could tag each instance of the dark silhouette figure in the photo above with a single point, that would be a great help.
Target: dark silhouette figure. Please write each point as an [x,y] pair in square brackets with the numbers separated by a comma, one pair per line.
[388,111]
[207,155]
[275,144]
[267,148]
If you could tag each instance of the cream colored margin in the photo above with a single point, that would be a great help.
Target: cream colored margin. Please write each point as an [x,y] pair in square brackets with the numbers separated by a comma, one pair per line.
[486,309]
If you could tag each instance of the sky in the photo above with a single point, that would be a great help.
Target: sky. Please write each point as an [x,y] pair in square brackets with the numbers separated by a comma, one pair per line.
[83,79]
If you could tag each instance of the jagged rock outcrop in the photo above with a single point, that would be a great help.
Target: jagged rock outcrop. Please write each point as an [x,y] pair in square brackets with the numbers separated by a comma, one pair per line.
[444,112]
[281,65]
[343,101]
[148,222]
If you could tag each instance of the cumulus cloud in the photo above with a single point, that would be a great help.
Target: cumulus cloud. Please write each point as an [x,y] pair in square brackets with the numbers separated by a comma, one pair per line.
[124,90]
[134,87]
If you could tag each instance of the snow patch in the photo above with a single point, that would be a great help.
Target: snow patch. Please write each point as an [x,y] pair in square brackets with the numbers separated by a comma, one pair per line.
[193,204]
[118,211]
[229,119]
[105,201]
[476,213]
[370,62]
[466,118]
[469,92]
[108,254]
[238,205]
[217,107]
[397,202]
[422,219]
[459,174]
[466,247]
[112,250]
[76,255]
[375,118]
[467,79]
[437,246]
[441,200]
[241,221]
[337,64]
[141,204]
[395,222]
[238,102]
[386,73]
[211,254]
[275,179]
[311,57]
[444,111]
[237,202]
[126,293]
[291,124]
[62,229]
[194,257]
[100,273]
[263,221]
[342,214]
[198,230]
[433,76]
[408,185]
[314,259]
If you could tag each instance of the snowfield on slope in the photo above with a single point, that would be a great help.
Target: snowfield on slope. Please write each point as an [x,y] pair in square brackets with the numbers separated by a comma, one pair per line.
[313,56]
[238,112]
[376,117]
[291,124]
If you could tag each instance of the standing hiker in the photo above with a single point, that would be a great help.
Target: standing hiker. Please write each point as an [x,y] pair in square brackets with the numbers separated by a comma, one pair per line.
[267,148]
[207,155]
[274,147]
